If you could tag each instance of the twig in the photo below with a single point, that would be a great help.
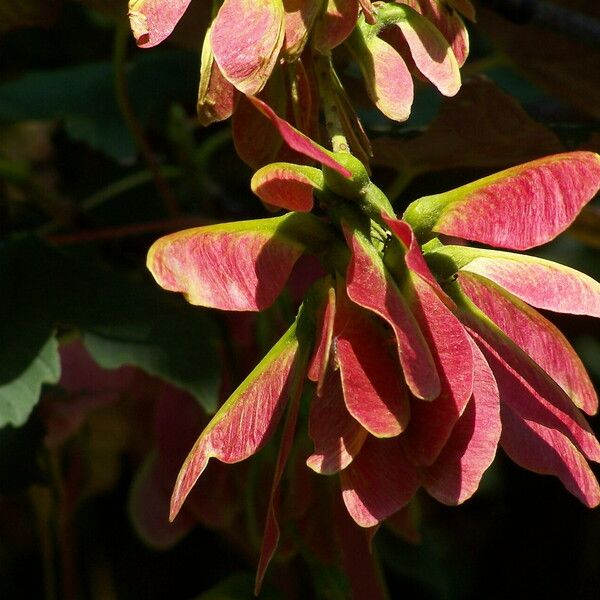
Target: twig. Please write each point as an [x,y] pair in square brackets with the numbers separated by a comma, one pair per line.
[133,124]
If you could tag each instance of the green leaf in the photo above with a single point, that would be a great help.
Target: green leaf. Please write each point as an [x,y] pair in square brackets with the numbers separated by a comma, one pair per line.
[84,98]
[20,395]
[20,450]
[124,321]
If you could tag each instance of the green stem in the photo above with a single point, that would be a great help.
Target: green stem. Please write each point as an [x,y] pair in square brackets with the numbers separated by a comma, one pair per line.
[400,183]
[132,122]
[333,122]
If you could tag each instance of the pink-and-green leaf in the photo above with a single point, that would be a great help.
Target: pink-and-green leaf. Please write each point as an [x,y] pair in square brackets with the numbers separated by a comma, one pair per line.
[374,390]
[523,384]
[413,256]
[288,186]
[256,141]
[429,49]
[447,21]
[152,21]
[335,24]
[432,423]
[387,78]
[470,450]
[271,532]
[299,18]
[319,361]
[244,423]
[216,96]
[544,343]
[465,7]
[337,436]
[518,208]
[246,49]
[371,286]
[298,141]
[547,451]
[234,266]
[539,282]
[378,482]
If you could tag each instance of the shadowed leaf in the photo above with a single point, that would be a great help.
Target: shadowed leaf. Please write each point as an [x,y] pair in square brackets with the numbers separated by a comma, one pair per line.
[470,450]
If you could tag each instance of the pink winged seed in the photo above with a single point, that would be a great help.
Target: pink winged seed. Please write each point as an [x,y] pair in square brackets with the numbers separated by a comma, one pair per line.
[216,96]
[287,186]
[335,24]
[244,423]
[370,285]
[319,361]
[152,21]
[271,532]
[388,80]
[337,436]
[547,451]
[413,256]
[530,392]
[379,482]
[431,53]
[524,206]
[298,141]
[239,266]
[246,49]
[432,422]
[374,390]
[541,283]
[470,450]
[299,18]
[544,343]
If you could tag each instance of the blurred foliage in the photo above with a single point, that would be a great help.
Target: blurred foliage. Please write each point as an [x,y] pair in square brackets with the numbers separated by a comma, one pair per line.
[79,207]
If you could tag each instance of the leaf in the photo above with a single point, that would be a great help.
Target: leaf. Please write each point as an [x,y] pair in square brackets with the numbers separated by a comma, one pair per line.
[129,317]
[537,281]
[371,286]
[298,141]
[216,96]
[378,482]
[544,343]
[28,13]
[247,419]
[471,448]
[287,186]
[152,21]
[501,134]
[430,51]
[19,396]
[234,266]
[432,423]
[337,436]
[523,384]
[387,78]
[335,24]
[83,96]
[247,49]
[545,450]
[518,208]
[299,18]
[373,387]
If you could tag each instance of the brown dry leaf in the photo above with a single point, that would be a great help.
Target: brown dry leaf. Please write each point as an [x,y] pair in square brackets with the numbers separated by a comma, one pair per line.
[27,13]
[482,127]
[558,62]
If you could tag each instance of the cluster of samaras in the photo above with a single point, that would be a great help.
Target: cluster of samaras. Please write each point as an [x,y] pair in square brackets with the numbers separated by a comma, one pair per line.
[426,354]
